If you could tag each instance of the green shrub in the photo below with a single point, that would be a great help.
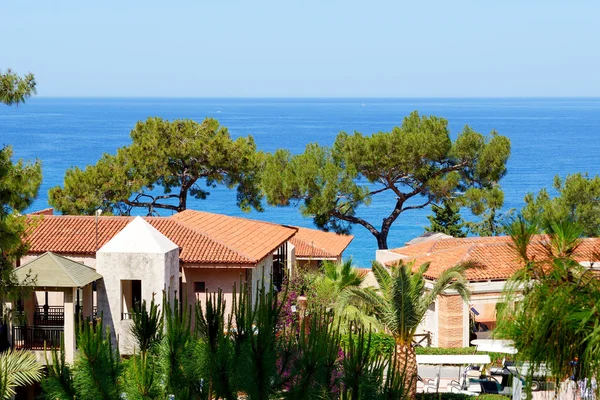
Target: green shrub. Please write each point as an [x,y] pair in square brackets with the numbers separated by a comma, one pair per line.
[492,397]
[443,396]
[495,357]
[381,343]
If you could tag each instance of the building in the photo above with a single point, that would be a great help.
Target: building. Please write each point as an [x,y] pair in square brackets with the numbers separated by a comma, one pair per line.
[494,260]
[314,247]
[125,260]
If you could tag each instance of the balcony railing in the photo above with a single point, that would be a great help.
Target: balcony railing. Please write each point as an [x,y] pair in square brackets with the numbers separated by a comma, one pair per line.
[49,316]
[34,338]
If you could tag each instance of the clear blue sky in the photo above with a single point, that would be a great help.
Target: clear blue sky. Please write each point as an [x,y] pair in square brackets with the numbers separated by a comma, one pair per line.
[304,48]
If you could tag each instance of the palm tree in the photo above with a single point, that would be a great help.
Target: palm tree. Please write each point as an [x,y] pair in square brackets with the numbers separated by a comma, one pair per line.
[401,302]
[557,317]
[17,368]
[332,288]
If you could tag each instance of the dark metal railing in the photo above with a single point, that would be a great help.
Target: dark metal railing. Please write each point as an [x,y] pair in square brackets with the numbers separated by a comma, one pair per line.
[49,316]
[34,338]
[126,316]
[422,339]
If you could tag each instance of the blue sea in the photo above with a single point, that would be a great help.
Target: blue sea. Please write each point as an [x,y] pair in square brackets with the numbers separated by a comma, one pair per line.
[549,137]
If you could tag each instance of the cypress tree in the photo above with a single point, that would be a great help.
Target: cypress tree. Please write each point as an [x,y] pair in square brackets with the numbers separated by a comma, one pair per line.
[446,219]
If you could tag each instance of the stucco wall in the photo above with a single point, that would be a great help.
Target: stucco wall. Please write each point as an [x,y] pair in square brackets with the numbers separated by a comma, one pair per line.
[214,279]
[156,271]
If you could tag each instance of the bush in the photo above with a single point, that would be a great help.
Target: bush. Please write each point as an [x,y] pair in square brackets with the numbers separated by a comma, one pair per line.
[443,396]
[381,343]
[492,397]
[495,357]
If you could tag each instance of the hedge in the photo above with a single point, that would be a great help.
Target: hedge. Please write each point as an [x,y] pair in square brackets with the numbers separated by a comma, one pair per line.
[382,343]
[458,396]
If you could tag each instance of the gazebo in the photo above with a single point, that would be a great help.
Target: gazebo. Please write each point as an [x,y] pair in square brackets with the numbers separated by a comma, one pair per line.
[61,292]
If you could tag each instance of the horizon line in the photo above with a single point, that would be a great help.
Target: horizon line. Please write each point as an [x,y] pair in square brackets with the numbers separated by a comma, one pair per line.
[315,97]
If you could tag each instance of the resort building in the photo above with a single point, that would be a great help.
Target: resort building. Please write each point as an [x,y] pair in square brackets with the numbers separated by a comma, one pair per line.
[452,322]
[87,265]
[314,247]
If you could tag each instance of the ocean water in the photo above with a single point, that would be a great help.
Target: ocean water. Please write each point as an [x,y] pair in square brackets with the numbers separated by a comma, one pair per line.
[549,137]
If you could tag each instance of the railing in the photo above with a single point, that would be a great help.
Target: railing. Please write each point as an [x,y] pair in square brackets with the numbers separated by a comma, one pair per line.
[49,316]
[34,338]
[126,316]
[422,339]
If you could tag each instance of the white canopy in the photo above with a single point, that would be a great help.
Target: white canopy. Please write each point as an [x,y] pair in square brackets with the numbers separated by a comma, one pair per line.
[496,346]
[453,359]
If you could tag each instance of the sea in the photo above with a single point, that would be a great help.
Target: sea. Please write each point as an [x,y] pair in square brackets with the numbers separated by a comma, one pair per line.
[550,137]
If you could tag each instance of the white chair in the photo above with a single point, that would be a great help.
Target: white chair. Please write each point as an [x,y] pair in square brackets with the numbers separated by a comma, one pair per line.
[432,385]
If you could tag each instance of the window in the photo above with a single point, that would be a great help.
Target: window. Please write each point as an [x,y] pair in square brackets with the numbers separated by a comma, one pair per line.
[131,297]
[199,287]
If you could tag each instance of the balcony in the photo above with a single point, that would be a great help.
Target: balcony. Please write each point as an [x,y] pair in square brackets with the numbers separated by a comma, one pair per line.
[49,316]
[35,338]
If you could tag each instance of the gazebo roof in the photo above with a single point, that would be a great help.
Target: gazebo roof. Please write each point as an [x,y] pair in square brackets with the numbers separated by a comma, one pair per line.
[52,270]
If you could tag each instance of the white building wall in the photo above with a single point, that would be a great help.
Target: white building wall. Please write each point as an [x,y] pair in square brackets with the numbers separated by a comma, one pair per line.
[155,271]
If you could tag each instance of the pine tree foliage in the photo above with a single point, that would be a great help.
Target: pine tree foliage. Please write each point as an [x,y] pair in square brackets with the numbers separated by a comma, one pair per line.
[19,185]
[166,163]
[577,198]
[416,164]
[15,89]
[446,219]
[97,369]
[58,384]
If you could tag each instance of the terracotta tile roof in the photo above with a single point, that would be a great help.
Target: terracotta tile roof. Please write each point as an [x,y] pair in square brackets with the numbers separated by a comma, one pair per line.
[203,238]
[251,238]
[316,244]
[494,258]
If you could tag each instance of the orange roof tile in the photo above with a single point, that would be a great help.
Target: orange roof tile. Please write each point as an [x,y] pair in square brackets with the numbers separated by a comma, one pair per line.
[205,238]
[494,258]
[251,238]
[316,244]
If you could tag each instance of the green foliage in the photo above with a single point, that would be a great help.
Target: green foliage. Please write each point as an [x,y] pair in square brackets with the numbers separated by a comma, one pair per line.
[557,319]
[380,343]
[417,160]
[141,370]
[447,396]
[179,353]
[97,367]
[401,302]
[486,204]
[147,326]
[17,368]
[446,219]
[15,89]
[492,397]
[578,198]
[58,384]
[142,378]
[175,157]
[19,184]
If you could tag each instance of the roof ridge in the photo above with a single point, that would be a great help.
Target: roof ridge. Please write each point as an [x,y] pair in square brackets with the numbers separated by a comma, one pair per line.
[210,237]
[60,264]
[312,244]
[189,210]
[440,251]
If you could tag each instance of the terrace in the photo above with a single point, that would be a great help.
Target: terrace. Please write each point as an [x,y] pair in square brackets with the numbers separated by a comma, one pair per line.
[61,295]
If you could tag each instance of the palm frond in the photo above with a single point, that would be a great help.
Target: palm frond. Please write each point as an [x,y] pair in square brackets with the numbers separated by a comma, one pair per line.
[17,368]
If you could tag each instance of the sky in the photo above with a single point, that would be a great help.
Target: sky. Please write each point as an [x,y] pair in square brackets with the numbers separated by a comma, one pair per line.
[312,48]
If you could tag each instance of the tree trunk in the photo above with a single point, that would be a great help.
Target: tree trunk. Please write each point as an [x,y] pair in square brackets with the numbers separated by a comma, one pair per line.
[382,239]
[407,368]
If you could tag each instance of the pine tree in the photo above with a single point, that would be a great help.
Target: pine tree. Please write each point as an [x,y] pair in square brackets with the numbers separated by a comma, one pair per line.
[446,219]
